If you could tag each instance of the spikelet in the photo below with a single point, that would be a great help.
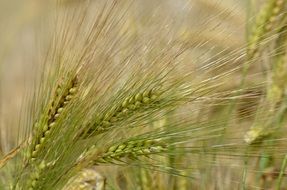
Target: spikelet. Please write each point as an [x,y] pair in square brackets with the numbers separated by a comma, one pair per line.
[277,87]
[265,21]
[35,175]
[131,105]
[130,148]
[275,94]
[43,128]
[88,179]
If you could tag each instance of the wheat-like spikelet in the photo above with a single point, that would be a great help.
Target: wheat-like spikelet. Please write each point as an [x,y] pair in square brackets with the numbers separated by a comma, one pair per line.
[51,123]
[87,179]
[37,170]
[131,105]
[275,93]
[274,106]
[266,20]
[44,127]
[127,149]
[278,84]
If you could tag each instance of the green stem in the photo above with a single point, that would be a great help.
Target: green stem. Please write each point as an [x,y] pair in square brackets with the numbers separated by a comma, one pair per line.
[282,173]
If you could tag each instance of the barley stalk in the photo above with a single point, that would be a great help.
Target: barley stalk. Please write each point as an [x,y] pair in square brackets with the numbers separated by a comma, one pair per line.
[275,94]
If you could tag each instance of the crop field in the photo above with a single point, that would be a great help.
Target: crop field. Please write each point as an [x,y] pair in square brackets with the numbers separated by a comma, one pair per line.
[143,95]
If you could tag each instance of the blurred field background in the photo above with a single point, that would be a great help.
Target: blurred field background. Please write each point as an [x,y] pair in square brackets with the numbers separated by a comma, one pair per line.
[219,35]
